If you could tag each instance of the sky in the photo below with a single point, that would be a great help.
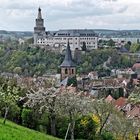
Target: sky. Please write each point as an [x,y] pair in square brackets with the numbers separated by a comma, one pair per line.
[19,15]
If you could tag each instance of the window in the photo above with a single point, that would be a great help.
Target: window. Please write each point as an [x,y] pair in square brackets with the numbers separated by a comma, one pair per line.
[72,71]
[66,71]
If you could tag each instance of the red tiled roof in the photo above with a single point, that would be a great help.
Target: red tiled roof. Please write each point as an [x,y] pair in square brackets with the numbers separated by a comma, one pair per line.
[69,88]
[136,81]
[136,65]
[120,103]
[135,112]
[109,99]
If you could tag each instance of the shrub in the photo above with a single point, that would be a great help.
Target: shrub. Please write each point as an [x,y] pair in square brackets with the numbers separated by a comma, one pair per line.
[26,117]
[85,128]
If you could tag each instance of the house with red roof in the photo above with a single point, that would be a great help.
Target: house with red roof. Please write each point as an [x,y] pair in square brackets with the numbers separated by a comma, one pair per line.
[136,67]
[120,103]
[134,112]
[109,99]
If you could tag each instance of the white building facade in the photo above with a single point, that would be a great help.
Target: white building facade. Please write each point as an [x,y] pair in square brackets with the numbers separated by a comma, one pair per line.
[76,37]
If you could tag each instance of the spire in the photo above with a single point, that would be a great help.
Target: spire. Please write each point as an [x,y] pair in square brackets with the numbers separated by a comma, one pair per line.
[39,13]
[68,58]
[68,55]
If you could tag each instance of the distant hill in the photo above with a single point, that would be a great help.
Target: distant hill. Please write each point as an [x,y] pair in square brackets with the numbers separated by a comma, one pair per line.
[118,33]
[12,131]
[15,34]
[99,32]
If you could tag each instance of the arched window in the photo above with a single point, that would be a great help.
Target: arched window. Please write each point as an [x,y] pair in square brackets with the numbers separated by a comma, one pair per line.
[72,71]
[66,71]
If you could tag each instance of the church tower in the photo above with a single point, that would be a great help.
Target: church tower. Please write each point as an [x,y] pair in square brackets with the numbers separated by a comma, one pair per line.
[68,68]
[39,29]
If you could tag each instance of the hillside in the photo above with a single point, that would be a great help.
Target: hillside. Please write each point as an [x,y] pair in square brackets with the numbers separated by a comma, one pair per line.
[12,131]
[100,32]
[16,34]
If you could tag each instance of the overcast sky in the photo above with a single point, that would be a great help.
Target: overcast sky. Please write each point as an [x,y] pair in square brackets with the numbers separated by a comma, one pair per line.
[19,15]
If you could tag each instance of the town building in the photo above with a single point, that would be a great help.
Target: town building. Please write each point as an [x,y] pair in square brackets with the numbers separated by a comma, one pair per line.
[68,68]
[56,39]
[136,68]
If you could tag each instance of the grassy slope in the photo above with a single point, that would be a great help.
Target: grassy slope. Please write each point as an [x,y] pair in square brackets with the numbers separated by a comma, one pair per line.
[12,131]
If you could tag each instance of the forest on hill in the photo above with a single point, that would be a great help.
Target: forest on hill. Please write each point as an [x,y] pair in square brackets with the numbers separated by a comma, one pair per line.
[28,61]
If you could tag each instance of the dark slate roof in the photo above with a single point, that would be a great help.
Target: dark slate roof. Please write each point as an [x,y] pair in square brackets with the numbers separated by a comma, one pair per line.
[75,33]
[123,50]
[68,58]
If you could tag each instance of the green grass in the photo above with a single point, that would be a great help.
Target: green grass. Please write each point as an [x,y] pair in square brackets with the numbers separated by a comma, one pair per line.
[12,131]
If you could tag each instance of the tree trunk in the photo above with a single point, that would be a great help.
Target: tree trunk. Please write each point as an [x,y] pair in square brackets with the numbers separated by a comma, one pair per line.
[72,130]
[53,118]
[67,131]
[72,126]
[53,125]
[137,136]
[104,123]
[5,115]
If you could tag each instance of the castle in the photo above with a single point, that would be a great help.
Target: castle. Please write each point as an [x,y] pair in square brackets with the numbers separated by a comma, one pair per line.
[55,39]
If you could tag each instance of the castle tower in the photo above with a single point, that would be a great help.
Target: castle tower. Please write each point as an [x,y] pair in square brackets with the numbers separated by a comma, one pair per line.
[68,68]
[39,29]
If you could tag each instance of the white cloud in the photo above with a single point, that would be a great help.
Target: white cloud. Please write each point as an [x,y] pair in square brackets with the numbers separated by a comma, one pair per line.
[111,14]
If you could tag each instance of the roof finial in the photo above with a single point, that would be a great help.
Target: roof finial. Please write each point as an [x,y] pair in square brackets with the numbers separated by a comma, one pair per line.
[39,13]
[39,9]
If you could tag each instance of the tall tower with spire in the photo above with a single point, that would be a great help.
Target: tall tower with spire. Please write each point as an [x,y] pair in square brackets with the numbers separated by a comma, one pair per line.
[68,68]
[39,29]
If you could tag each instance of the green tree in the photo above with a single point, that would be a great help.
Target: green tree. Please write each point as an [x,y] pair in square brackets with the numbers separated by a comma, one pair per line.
[30,41]
[84,48]
[9,95]
[17,70]
[83,125]
[27,117]
[103,111]
[134,97]
[120,126]
[72,81]
[128,45]
[111,43]
[43,100]
[72,104]
[135,47]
